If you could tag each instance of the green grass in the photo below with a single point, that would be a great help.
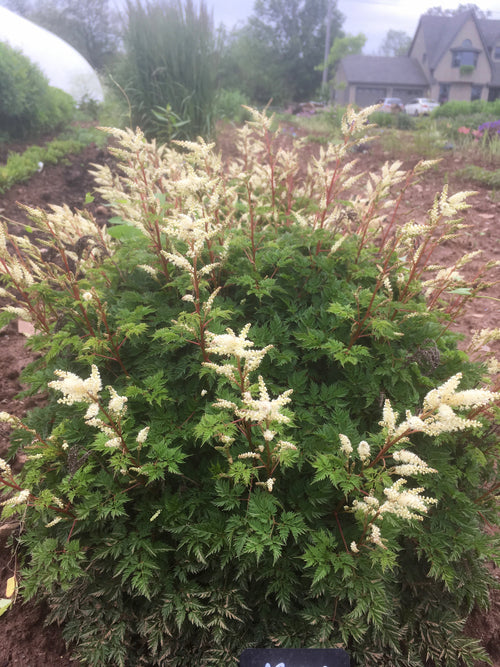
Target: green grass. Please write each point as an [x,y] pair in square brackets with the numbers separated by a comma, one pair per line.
[21,166]
[481,176]
[326,123]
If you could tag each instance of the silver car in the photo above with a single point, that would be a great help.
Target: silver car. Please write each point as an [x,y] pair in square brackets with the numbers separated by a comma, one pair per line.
[391,104]
[421,106]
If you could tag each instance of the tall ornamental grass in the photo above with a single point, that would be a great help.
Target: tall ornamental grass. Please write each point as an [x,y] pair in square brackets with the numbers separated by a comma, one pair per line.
[258,429]
[169,68]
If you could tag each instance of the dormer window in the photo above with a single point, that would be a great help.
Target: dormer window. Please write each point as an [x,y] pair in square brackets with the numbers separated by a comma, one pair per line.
[465,54]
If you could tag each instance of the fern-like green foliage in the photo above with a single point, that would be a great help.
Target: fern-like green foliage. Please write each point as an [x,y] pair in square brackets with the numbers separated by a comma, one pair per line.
[220,463]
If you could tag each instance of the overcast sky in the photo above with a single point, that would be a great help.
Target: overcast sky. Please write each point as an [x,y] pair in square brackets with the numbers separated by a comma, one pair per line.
[372,17]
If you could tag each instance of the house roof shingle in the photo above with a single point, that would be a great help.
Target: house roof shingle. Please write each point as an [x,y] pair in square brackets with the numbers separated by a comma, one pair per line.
[399,70]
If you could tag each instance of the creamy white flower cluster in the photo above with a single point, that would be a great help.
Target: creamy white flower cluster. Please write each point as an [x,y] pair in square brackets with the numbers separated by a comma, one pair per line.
[78,390]
[142,435]
[374,536]
[8,418]
[237,347]
[409,464]
[346,448]
[404,503]
[75,389]
[28,263]
[68,226]
[445,279]
[449,206]
[178,260]
[134,198]
[447,394]
[263,410]
[19,499]
[437,415]
[356,121]
[176,201]
[5,468]
[483,337]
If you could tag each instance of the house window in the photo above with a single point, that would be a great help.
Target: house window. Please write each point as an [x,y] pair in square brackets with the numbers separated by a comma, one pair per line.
[496,53]
[466,54]
[475,93]
[460,58]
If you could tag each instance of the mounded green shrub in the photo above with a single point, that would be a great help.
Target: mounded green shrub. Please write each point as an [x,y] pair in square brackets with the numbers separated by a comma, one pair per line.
[454,109]
[258,428]
[230,105]
[28,105]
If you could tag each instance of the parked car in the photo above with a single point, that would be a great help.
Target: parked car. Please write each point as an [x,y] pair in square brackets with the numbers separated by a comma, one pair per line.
[421,106]
[391,105]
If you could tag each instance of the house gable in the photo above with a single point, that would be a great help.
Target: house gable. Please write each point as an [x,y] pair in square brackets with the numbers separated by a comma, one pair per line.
[464,59]
[419,49]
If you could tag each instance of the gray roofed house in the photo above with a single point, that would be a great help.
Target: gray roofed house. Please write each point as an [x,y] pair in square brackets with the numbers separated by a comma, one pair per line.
[450,58]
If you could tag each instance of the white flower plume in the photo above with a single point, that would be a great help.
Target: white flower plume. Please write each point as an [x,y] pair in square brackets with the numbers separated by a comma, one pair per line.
[264,409]
[76,389]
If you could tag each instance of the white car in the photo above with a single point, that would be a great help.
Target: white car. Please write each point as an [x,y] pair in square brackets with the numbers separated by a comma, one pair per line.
[420,106]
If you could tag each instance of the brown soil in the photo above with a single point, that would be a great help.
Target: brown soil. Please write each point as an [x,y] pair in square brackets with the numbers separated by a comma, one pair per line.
[26,641]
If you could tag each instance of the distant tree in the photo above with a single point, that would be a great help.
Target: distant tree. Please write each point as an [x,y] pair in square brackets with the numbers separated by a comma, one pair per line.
[253,68]
[396,43]
[282,44]
[347,45]
[90,26]
[462,7]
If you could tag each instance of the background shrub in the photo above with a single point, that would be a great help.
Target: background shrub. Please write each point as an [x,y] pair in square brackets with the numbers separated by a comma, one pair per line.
[28,105]
[454,109]
[229,106]
[219,464]
[400,121]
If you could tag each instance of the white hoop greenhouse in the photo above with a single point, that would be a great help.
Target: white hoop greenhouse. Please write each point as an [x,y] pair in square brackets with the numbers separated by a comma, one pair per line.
[63,66]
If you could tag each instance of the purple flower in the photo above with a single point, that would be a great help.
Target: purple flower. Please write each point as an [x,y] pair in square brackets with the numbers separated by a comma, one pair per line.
[490,127]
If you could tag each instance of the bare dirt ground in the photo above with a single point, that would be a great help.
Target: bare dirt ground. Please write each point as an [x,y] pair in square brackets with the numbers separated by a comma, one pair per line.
[25,640]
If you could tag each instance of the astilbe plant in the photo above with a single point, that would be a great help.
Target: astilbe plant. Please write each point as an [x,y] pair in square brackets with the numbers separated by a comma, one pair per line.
[258,429]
